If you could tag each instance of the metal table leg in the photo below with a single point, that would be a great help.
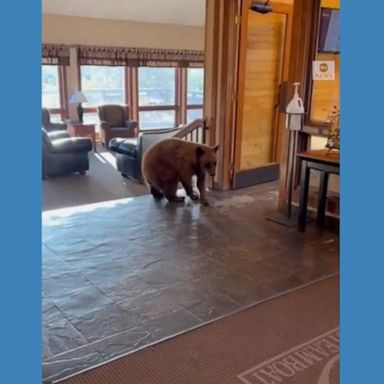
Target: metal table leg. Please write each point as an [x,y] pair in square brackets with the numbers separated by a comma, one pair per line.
[322,202]
[304,189]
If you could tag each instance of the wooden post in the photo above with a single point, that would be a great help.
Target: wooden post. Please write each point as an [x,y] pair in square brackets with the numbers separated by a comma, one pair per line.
[221,46]
[305,15]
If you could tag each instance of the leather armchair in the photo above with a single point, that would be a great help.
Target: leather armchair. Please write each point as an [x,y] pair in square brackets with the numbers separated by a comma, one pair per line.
[64,154]
[114,122]
[48,125]
[129,152]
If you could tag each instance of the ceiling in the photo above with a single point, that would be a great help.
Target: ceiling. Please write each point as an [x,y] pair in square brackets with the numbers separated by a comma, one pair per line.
[184,12]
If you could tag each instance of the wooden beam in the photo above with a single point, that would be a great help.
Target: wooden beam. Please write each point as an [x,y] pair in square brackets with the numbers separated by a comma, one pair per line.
[305,15]
[221,46]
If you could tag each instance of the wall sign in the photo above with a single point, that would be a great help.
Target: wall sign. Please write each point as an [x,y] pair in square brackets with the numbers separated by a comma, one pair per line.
[323,70]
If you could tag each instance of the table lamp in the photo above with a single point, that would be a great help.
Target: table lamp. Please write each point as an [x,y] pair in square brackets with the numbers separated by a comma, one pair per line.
[78,97]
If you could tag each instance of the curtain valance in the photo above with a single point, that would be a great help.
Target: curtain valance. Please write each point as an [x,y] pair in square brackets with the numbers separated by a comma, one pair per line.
[138,57]
[54,54]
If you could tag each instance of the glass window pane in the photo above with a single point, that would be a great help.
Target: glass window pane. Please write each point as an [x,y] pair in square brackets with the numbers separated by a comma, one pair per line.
[55,118]
[193,114]
[156,119]
[103,85]
[50,86]
[91,118]
[195,87]
[157,86]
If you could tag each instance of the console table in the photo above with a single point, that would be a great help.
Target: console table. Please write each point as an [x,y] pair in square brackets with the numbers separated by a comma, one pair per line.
[325,162]
[82,130]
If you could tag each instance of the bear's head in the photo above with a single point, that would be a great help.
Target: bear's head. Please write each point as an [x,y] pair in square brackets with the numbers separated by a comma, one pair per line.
[206,158]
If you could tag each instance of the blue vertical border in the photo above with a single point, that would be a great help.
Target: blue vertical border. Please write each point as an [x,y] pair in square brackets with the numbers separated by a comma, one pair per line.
[362,191]
[20,192]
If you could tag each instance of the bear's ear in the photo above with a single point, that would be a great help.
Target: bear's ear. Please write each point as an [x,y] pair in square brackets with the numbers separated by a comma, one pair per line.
[199,151]
[215,148]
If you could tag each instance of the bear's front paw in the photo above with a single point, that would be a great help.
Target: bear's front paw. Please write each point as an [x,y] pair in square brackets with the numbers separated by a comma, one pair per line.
[204,201]
[194,196]
[176,199]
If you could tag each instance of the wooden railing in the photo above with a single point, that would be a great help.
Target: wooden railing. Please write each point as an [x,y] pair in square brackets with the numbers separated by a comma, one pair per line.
[194,131]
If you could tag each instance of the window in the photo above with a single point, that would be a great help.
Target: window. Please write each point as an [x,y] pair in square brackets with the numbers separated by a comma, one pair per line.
[195,88]
[51,99]
[195,93]
[157,97]
[193,114]
[101,85]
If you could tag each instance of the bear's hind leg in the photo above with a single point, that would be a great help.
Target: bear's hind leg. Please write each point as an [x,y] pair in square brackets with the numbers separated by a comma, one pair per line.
[155,192]
[170,192]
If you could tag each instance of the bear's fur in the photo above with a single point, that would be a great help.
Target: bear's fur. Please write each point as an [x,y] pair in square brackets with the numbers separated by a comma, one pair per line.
[171,161]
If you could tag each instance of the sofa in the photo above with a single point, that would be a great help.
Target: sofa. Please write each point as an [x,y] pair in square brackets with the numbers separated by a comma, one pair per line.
[63,154]
[129,152]
[114,122]
[48,125]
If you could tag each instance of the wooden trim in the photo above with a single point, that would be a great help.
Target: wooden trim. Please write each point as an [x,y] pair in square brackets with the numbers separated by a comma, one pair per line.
[194,106]
[312,50]
[158,108]
[240,84]
[127,93]
[179,96]
[90,109]
[260,175]
[183,87]
[55,110]
[134,92]
[63,92]
[219,82]
[211,42]
[300,64]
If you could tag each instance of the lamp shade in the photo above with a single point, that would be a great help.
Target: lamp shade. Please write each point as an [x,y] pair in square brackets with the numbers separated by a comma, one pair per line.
[77,97]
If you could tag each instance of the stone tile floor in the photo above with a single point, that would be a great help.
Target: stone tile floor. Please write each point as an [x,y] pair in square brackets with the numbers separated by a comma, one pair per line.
[124,274]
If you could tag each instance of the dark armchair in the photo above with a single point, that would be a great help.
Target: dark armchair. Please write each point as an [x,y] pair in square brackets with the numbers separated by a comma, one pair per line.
[129,152]
[48,125]
[64,154]
[114,122]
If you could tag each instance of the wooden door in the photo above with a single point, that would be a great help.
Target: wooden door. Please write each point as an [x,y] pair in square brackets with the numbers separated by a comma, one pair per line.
[263,68]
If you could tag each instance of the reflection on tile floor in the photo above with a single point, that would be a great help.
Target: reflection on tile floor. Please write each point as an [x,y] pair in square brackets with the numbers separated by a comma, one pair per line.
[124,274]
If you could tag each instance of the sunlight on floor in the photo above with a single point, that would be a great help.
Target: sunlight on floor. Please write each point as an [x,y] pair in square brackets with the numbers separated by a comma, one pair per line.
[52,215]
[106,158]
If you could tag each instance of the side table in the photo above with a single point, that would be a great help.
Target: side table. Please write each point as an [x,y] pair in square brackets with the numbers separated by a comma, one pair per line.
[326,162]
[82,130]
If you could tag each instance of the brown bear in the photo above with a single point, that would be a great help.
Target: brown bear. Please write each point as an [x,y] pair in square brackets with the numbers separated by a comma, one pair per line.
[171,161]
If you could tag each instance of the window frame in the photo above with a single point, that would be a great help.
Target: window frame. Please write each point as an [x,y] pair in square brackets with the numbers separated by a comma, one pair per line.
[63,92]
[191,106]
[158,108]
[125,81]
[131,93]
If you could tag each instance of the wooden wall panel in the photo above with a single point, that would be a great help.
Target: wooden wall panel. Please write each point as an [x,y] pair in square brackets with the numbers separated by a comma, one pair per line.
[330,3]
[262,78]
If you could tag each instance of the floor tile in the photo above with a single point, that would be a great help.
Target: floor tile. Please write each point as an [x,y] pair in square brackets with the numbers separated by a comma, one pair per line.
[56,286]
[123,342]
[171,324]
[82,301]
[60,336]
[104,322]
[65,364]
[150,305]
[216,306]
